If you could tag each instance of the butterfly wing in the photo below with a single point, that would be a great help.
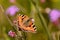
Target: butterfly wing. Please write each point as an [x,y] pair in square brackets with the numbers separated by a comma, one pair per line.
[25,23]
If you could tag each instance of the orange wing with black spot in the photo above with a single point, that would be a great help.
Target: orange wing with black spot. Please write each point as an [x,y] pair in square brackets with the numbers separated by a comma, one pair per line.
[25,23]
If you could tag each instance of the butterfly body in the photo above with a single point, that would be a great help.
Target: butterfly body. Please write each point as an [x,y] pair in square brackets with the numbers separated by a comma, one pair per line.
[25,23]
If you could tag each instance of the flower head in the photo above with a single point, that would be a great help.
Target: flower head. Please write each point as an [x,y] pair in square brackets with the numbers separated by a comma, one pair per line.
[54,16]
[11,33]
[12,10]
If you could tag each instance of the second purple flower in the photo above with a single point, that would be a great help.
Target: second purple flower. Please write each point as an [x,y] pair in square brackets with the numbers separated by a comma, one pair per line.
[12,10]
[54,16]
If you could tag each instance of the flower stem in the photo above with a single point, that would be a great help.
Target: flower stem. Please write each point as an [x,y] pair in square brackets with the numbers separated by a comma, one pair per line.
[43,20]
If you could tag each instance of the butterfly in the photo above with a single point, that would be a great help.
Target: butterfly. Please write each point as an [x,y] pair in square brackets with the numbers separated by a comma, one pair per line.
[25,23]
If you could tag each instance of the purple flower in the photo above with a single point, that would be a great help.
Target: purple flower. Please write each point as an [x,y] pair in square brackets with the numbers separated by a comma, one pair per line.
[11,33]
[12,10]
[54,16]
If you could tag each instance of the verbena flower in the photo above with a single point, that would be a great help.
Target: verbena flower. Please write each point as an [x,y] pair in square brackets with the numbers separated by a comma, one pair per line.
[11,33]
[54,16]
[12,10]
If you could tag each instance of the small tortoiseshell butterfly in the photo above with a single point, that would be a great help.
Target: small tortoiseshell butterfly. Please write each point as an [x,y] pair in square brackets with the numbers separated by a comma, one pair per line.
[25,23]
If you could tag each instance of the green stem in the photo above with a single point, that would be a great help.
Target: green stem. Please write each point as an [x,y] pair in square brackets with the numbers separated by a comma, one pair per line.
[49,26]
[43,20]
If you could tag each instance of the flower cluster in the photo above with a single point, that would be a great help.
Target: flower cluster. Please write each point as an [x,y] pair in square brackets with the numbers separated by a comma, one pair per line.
[12,10]
[54,16]
[11,33]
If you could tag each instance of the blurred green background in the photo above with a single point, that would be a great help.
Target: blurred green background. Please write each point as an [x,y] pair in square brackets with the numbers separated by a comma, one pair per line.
[31,8]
